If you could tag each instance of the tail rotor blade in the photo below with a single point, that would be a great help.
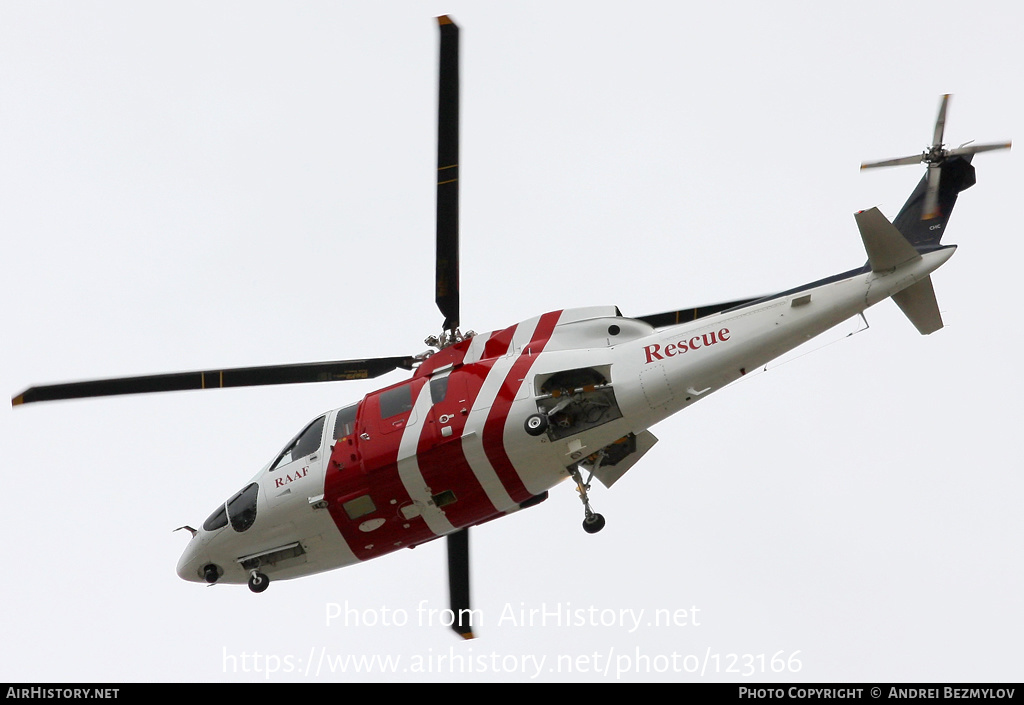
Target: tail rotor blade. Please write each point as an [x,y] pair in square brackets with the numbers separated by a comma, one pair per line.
[446,289]
[931,196]
[975,148]
[940,122]
[893,162]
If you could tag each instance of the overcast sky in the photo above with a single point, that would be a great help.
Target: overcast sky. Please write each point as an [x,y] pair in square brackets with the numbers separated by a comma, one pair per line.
[190,185]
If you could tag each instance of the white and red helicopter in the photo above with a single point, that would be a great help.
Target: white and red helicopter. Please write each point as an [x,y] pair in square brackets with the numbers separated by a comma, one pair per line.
[488,423]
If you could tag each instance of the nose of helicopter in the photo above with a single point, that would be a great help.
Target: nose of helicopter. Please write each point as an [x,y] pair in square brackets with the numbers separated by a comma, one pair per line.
[189,567]
[197,563]
[204,559]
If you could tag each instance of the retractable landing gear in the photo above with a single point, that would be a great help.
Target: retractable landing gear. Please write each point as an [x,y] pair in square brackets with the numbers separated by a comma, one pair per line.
[536,424]
[258,582]
[592,522]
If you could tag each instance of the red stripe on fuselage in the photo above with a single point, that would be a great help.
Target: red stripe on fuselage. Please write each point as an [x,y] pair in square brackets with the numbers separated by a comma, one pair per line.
[494,427]
[371,469]
[498,344]
[442,460]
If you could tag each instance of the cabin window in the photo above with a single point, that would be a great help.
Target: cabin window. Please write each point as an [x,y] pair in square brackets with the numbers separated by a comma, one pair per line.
[359,507]
[396,401]
[438,389]
[443,499]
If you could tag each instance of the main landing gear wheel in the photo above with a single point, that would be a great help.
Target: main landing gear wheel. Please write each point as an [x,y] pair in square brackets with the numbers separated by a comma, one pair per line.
[592,522]
[258,582]
[536,424]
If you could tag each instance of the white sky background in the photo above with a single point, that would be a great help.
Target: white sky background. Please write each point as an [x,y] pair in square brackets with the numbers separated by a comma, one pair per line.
[186,186]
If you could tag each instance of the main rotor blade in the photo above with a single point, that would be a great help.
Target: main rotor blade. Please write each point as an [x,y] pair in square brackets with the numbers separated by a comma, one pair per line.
[893,162]
[211,379]
[940,122]
[446,289]
[458,582]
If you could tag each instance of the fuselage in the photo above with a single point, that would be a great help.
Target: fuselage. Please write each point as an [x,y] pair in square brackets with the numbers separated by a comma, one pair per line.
[448,448]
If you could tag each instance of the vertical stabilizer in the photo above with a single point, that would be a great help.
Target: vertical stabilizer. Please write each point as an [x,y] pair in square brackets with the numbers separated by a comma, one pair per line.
[957,174]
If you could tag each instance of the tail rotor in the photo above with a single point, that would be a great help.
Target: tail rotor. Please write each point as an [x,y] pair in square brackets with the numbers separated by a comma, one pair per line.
[934,157]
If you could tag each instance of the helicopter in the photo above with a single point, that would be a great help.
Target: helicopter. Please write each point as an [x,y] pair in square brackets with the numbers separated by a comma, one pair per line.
[487,424]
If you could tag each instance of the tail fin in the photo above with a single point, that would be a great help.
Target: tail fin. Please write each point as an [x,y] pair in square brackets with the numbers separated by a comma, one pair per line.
[926,234]
[887,249]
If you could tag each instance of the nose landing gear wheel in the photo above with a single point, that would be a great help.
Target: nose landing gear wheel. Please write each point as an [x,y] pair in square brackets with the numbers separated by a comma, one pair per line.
[258,582]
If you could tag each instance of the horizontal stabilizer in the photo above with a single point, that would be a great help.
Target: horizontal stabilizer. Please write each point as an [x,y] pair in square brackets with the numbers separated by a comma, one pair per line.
[886,246]
[919,305]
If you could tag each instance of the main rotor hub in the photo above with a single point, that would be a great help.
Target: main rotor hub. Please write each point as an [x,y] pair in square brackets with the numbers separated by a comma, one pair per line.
[934,154]
[448,338]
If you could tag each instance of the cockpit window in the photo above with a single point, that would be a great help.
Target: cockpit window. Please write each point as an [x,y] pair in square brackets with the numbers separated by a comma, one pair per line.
[217,520]
[345,423]
[242,508]
[304,444]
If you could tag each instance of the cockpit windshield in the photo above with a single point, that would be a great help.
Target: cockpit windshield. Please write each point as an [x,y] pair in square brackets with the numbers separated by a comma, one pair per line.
[306,443]
[217,520]
[240,510]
